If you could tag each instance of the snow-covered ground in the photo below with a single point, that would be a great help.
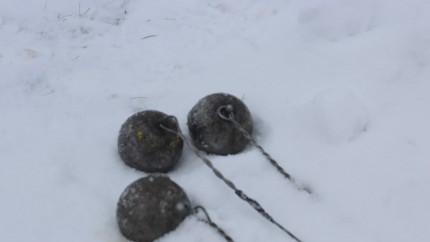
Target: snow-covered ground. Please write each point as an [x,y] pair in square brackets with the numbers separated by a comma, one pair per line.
[338,90]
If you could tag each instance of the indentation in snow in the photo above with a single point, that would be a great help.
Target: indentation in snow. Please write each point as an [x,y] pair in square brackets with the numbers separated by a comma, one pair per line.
[338,115]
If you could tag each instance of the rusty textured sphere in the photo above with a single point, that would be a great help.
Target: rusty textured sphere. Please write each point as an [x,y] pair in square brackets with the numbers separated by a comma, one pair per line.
[210,128]
[151,207]
[144,145]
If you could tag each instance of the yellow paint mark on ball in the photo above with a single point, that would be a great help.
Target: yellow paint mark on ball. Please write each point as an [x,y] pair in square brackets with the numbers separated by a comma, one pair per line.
[139,134]
[174,142]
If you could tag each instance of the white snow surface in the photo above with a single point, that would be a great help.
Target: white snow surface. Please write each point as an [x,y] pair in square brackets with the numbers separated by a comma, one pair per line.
[338,90]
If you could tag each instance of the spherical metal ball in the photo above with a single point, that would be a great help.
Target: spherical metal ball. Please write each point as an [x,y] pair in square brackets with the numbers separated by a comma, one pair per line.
[211,127]
[151,207]
[143,143]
